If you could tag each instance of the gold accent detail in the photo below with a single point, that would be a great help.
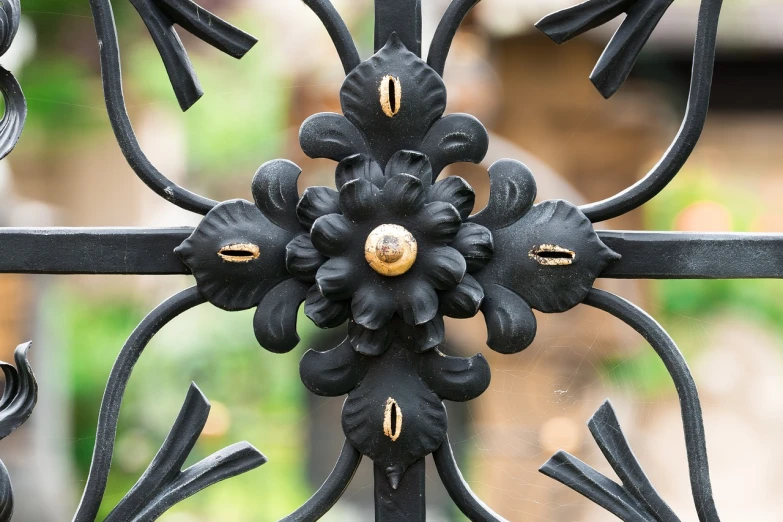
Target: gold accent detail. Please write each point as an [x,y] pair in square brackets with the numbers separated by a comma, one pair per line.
[239,252]
[552,255]
[392,426]
[390,250]
[391,95]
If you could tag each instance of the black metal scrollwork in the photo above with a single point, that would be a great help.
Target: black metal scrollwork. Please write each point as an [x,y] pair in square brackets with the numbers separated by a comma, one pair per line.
[12,122]
[391,252]
[20,394]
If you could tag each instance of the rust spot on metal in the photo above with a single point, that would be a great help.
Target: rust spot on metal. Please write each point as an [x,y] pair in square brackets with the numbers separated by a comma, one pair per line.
[552,255]
[239,252]
[392,420]
[391,95]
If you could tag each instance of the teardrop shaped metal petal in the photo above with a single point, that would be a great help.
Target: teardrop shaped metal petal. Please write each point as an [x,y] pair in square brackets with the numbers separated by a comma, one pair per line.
[412,163]
[316,202]
[274,322]
[511,325]
[455,138]
[330,135]
[456,191]
[476,245]
[464,300]
[455,378]
[333,372]
[358,166]
[302,259]
[324,312]
[512,191]
[275,192]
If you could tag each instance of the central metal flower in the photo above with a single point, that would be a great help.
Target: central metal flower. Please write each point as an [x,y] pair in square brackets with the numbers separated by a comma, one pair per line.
[390,250]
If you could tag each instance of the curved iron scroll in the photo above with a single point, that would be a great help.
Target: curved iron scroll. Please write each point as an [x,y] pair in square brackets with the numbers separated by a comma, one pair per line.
[162,485]
[607,433]
[391,252]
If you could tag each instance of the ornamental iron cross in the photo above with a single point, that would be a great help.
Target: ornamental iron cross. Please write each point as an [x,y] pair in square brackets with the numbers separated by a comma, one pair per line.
[391,251]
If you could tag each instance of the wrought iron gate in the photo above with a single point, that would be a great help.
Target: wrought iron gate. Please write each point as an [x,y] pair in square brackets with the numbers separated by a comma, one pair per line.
[391,251]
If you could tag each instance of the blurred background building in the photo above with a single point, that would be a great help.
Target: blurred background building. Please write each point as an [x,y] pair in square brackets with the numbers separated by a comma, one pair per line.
[535,99]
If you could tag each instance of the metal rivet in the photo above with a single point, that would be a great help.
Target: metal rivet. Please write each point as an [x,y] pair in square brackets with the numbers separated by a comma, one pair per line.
[390,250]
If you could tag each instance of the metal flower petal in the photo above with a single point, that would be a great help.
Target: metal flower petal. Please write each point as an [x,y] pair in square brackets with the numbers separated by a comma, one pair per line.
[410,162]
[358,166]
[476,245]
[316,202]
[440,221]
[331,234]
[417,303]
[336,279]
[446,267]
[302,259]
[425,336]
[372,307]
[404,194]
[369,342]
[324,312]
[359,200]
[456,191]
[462,301]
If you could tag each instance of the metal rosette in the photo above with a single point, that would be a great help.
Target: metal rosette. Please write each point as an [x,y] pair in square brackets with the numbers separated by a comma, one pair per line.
[13,119]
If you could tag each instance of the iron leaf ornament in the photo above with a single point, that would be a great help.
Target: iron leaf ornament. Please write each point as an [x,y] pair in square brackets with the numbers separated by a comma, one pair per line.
[391,250]
[622,51]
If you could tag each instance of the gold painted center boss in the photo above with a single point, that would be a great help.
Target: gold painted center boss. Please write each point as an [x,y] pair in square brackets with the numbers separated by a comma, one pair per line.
[390,250]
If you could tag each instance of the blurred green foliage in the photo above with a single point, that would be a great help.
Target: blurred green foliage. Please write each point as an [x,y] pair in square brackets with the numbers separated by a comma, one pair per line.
[239,123]
[261,392]
[684,306]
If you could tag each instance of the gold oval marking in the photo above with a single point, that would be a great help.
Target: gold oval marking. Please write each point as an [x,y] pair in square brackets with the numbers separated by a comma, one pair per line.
[392,420]
[390,250]
[552,255]
[391,95]
[239,252]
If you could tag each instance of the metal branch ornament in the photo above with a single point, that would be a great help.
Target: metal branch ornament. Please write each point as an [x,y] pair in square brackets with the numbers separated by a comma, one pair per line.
[391,251]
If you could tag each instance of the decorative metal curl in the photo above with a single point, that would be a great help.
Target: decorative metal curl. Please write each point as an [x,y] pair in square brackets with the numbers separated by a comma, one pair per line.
[391,143]
[20,394]
[12,122]
[163,484]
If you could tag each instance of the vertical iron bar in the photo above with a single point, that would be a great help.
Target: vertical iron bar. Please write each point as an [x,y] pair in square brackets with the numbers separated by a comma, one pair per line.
[398,16]
[404,504]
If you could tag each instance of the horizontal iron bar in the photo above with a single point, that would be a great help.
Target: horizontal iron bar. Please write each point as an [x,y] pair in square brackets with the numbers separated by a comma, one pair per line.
[92,250]
[689,255]
[645,255]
